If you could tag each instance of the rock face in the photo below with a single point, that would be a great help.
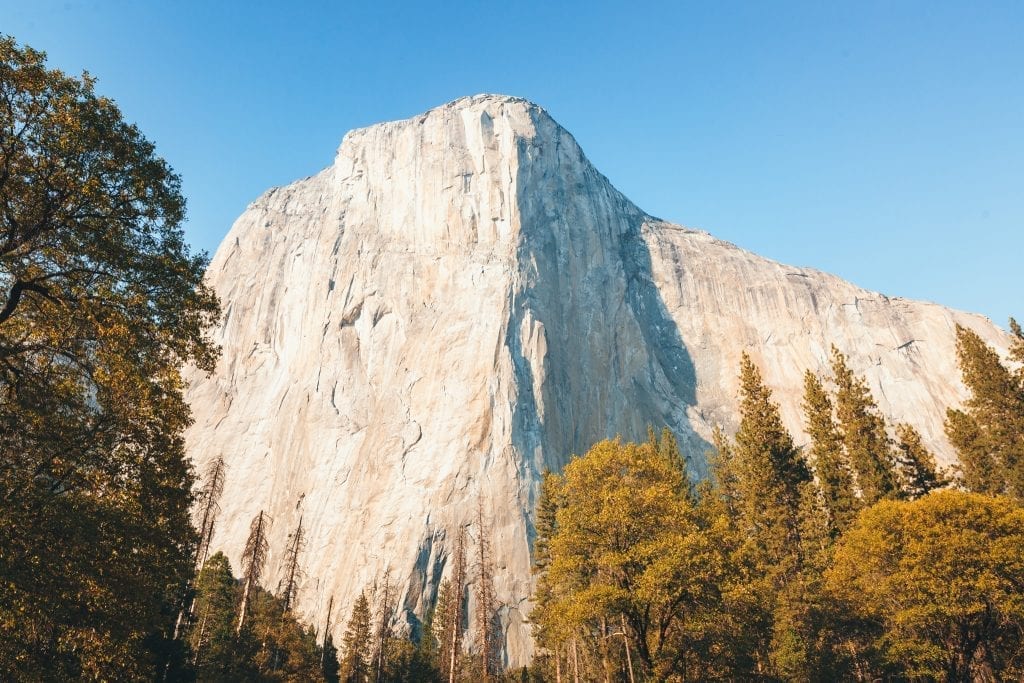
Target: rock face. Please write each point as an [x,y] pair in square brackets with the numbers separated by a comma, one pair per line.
[461,301]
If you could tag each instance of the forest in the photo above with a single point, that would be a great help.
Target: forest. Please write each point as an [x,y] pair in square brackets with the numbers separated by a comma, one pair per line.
[851,557]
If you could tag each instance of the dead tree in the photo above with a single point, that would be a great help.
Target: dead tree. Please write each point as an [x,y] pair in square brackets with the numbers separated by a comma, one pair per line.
[208,502]
[209,507]
[254,557]
[453,629]
[288,588]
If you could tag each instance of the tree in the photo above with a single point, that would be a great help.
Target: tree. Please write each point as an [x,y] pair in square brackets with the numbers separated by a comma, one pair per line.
[208,505]
[628,549]
[216,654]
[486,609]
[101,303]
[545,526]
[289,586]
[918,474]
[357,644]
[285,650]
[766,477]
[449,613]
[942,577]
[385,598]
[254,557]
[988,433]
[867,444]
[329,664]
[828,456]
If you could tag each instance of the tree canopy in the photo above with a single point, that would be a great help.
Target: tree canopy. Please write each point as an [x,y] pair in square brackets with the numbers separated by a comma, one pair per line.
[101,303]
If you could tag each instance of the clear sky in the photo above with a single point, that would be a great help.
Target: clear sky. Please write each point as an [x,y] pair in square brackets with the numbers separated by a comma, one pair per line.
[881,141]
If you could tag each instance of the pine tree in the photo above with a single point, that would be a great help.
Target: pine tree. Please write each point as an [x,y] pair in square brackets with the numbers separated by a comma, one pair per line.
[289,586]
[329,665]
[254,557]
[215,651]
[768,467]
[450,611]
[545,528]
[667,446]
[441,619]
[385,593]
[988,433]
[828,456]
[917,471]
[357,644]
[208,503]
[867,444]
[767,475]
[486,609]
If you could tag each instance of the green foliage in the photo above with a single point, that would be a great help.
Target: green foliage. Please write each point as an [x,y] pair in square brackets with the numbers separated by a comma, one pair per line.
[862,427]
[272,646]
[988,433]
[357,644]
[942,578]
[828,456]
[916,469]
[101,304]
[215,652]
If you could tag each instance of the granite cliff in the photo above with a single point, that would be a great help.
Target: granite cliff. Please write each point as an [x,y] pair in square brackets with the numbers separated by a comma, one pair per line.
[462,300]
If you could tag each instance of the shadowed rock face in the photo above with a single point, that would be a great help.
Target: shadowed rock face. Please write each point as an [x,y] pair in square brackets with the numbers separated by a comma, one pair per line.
[461,301]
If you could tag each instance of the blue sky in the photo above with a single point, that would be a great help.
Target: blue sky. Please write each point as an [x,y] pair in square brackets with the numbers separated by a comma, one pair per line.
[881,141]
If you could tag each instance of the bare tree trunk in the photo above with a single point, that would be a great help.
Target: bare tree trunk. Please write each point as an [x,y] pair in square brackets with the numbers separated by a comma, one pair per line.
[253,558]
[209,499]
[558,663]
[575,663]
[605,666]
[199,642]
[485,600]
[455,623]
[384,629]
[625,638]
[289,585]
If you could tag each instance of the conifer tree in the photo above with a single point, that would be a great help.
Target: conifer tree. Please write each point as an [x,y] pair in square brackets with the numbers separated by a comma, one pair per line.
[486,609]
[867,444]
[385,596]
[216,655]
[828,456]
[667,446]
[329,665]
[452,614]
[254,557]
[357,644]
[918,473]
[768,468]
[292,572]
[545,528]
[767,476]
[441,618]
[988,433]
[208,503]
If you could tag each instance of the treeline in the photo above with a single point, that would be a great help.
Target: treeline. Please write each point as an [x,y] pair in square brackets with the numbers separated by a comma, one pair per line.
[853,558]
[230,629]
[441,649]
